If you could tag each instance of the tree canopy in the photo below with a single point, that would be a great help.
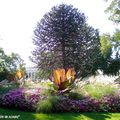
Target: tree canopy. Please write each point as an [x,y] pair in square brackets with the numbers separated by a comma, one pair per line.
[63,39]
[110,50]
[114,10]
[114,63]
[9,64]
[106,47]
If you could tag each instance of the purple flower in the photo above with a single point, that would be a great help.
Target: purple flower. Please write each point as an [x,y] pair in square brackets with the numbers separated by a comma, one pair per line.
[18,99]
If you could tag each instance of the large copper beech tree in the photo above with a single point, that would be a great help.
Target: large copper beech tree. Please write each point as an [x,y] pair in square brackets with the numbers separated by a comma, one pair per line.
[64,40]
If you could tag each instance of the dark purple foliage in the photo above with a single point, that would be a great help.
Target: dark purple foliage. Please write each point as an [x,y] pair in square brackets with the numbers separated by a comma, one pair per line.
[85,105]
[17,99]
[110,103]
[106,104]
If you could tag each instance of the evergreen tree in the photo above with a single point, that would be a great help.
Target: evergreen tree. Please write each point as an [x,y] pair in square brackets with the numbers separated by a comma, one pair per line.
[63,39]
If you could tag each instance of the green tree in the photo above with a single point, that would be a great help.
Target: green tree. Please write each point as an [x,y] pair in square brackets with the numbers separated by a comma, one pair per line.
[106,47]
[3,71]
[63,39]
[13,63]
[116,43]
[110,59]
[114,10]
[9,64]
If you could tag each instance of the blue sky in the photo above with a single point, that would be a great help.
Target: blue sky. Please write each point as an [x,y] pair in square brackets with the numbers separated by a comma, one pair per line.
[18,19]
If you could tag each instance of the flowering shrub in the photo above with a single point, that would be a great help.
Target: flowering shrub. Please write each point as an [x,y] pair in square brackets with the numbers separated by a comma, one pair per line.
[105,104]
[85,105]
[17,99]
[110,103]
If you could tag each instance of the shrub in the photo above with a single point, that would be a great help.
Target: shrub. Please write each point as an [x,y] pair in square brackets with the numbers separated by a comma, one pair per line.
[75,96]
[110,103]
[85,105]
[6,88]
[17,99]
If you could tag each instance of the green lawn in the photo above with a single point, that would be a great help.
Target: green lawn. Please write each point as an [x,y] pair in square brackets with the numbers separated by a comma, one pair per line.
[21,115]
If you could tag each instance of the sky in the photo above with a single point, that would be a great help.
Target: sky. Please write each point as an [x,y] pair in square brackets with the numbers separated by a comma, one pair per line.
[18,19]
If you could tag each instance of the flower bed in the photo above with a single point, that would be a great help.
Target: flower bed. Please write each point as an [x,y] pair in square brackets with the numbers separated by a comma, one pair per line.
[106,104]
[28,99]
[18,99]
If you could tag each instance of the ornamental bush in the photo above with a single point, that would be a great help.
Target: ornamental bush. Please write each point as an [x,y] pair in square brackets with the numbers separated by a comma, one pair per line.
[88,104]
[17,99]
[110,103]
[84,105]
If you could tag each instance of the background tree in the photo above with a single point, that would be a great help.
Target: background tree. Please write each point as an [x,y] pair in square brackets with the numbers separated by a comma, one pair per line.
[106,47]
[114,63]
[63,39]
[110,59]
[116,51]
[116,43]
[14,63]
[3,71]
[9,64]
[114,10]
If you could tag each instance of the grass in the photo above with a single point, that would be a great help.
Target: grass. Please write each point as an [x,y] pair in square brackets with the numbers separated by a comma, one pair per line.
[48,104]
[23,115]
[98,91]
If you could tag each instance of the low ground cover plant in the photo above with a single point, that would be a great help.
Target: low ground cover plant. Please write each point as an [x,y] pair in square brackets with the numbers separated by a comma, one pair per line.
[18,99]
